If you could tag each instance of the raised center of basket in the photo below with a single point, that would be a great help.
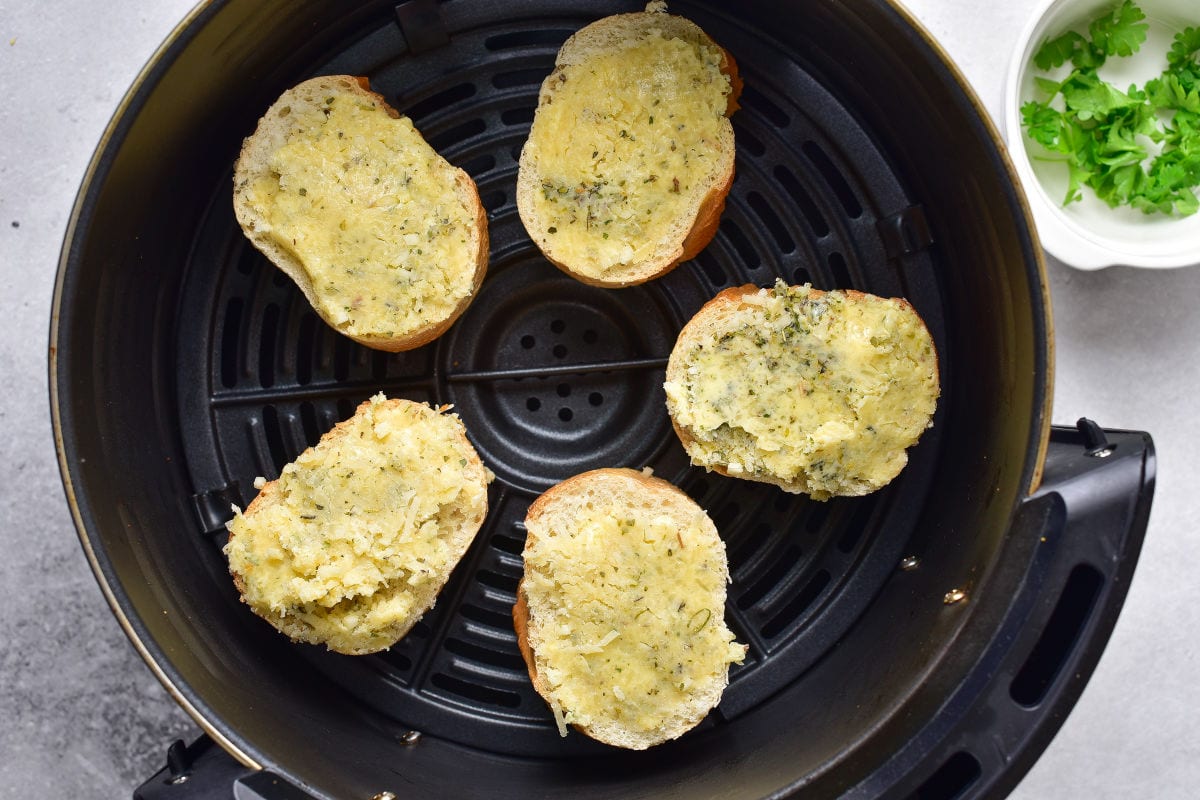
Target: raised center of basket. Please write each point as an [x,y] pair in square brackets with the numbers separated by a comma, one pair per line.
[553,377]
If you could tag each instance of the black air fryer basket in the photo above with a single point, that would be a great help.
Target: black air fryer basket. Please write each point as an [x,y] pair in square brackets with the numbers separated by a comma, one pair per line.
[925,641]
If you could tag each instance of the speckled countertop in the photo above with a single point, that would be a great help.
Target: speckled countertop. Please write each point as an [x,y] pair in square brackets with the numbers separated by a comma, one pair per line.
[84,718]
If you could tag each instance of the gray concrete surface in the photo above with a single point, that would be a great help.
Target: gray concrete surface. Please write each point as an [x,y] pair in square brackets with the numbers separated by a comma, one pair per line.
[83,718]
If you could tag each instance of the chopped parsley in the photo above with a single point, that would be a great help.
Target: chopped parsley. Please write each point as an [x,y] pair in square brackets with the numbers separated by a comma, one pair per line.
[1106,136]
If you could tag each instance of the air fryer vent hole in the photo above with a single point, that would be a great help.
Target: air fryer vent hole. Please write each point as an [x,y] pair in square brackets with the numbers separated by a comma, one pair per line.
[818,513]
[448,139]
[398,661]
[951,780]
[533,404]
[798,604]
[1064,626]
[492,201]
[741,243]
[341,358]
[543,40]
[475,692]
[752,98]
[747,141]
[834,177]
[308,420]
[305,348]
[485,617]
[517,116]
[506,660]
[779,568]
[445,99]
[802,200]
[841,274]
[519,77]
[774,224]
[504,583]
[507,544]
[230,346]
[726,516]
[741,547]
[853,530]
[565,414]
[267,346]
[274,439]
[712,269]
[476,167]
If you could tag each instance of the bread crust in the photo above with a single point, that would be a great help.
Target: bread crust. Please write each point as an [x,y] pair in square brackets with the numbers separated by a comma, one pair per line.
[727,301]
[460,540]
[696,229]
[705,697]
[270,134]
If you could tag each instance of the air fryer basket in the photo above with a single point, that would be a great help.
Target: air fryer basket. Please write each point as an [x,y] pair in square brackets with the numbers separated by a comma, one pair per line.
[883,631]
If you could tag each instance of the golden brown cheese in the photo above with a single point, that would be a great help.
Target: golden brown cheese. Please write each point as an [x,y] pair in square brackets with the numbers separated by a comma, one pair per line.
[362,201]
[630,616]
[812,388]
[628,138]
[361,529]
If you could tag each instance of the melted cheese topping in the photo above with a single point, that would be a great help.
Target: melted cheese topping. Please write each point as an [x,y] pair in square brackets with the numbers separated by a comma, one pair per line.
[624,146]
[814,389]
[627,614]
[361,529]
[371,212]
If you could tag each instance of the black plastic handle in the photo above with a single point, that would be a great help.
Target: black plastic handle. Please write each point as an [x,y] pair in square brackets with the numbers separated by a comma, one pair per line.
[1086,524]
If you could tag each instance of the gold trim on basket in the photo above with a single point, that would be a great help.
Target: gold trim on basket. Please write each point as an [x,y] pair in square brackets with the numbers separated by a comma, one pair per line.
[56,418]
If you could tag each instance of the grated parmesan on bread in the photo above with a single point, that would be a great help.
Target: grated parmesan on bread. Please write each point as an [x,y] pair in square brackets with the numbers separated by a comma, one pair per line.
[817,392]
[631,152]
[353,542]
[620,615]
[387,240]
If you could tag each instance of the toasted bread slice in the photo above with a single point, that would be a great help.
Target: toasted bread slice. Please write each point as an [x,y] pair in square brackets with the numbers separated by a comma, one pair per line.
[353,542]
[620,613]
[817,392]
[386,239]
[631,153]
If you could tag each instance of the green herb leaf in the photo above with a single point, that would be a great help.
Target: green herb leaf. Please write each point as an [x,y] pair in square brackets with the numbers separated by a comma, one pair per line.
[1120,33]
[1058,51]
[1049,87]
[1089,97]
[1184,49]
[1042,123]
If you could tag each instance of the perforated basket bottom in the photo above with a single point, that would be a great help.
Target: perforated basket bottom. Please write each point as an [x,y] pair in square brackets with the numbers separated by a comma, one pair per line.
[552,377]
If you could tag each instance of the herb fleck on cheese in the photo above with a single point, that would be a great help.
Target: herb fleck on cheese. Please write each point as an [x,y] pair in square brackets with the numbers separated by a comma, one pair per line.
[817,389]
[370,211]
[630,137]
[627,612]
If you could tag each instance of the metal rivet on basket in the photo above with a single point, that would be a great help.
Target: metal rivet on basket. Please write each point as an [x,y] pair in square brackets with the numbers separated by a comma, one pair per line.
[384,796]
[910,563]
[410,737]
[954,596]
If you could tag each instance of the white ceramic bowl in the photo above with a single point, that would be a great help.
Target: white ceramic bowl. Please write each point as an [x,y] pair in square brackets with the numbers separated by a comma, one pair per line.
[1089,234]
